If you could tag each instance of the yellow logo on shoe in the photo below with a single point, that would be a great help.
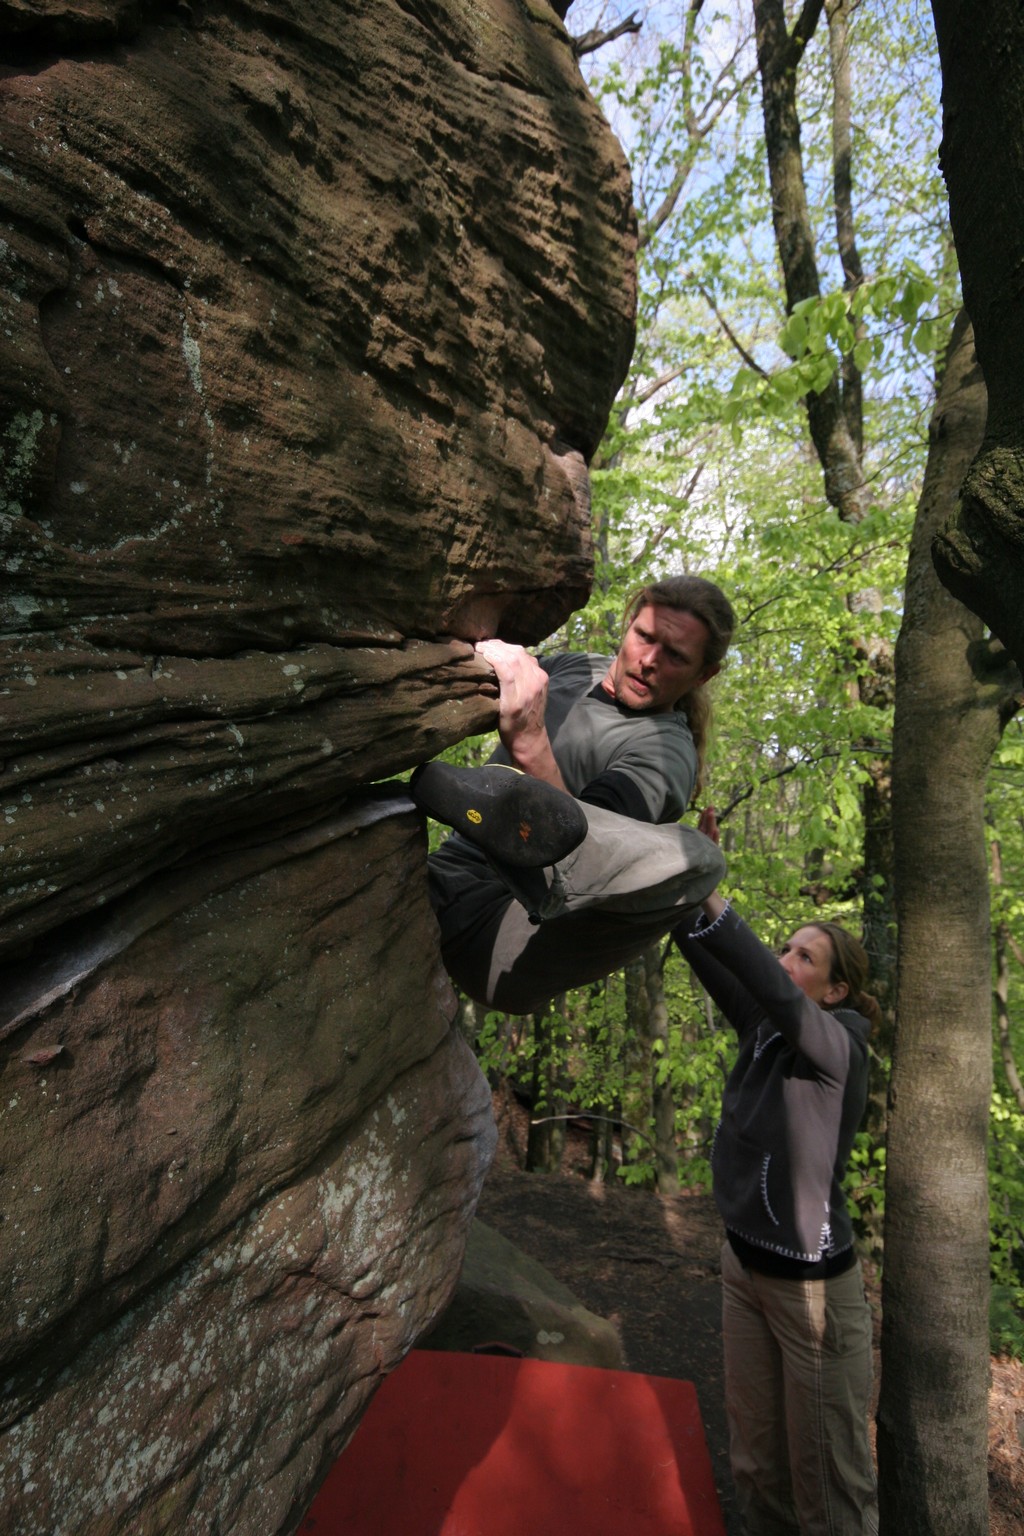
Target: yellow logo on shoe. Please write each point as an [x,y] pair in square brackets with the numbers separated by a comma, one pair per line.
[474,817]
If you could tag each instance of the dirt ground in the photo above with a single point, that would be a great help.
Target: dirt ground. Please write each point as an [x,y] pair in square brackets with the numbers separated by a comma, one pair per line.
[651,1264]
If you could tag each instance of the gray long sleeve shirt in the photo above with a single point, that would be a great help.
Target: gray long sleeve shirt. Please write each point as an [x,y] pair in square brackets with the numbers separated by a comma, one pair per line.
[596,738]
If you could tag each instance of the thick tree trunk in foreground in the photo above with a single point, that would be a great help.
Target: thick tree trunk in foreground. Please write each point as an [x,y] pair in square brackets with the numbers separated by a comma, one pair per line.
[980,551]
[954,693]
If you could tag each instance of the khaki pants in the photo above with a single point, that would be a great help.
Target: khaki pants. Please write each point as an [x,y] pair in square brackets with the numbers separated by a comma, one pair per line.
[798,1395]
[627,884]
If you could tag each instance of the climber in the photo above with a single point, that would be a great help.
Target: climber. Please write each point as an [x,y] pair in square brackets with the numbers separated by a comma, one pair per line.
[567,857]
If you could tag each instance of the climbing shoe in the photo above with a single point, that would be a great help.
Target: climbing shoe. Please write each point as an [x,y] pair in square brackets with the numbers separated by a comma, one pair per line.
[513,818]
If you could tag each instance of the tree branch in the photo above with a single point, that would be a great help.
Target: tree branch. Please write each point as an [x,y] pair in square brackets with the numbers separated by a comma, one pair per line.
[697,129]
[642,396]
[803,31]
[778,54]
[769,778]
[591,41]
[584,1114]
[750,361]
[842,186]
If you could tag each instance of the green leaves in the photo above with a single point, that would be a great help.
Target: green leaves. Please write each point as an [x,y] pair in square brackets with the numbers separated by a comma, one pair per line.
[815,322]
[822,334]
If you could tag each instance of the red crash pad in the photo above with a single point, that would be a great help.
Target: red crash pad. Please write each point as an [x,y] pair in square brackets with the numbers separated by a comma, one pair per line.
[483,1445]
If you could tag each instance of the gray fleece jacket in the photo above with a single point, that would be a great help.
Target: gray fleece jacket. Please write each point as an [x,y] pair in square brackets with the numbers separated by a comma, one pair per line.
[792,1103]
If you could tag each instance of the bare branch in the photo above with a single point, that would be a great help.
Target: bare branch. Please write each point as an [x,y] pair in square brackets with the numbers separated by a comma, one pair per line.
[591,41]
[584,1114]
[770,778]
[661,382]
[697,131]
[750,361]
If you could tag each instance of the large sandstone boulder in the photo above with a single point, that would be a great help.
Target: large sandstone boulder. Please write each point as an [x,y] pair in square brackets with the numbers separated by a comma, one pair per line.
[312,314]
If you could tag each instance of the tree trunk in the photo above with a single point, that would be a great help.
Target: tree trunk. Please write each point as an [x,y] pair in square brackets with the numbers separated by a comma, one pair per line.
[836,438]
[834,414]
[602,1131]
[953,697]
[1001,991]
[602,1148]
[979,552]
[637,1104]
[1002,1002]
[838,12]
[666,1157]
[545,1142]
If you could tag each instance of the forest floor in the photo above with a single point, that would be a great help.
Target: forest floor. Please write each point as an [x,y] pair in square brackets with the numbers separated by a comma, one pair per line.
[651,1265]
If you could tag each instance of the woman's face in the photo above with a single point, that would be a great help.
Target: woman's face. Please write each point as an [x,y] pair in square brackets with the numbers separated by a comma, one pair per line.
[807,960]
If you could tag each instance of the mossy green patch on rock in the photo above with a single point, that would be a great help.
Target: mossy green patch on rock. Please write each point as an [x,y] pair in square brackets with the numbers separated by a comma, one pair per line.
[19,447]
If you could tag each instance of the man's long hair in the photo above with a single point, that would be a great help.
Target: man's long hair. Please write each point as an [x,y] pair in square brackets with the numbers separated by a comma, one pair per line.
[705,601]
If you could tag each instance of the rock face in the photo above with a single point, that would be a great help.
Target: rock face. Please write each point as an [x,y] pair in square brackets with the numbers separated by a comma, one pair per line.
[312,315]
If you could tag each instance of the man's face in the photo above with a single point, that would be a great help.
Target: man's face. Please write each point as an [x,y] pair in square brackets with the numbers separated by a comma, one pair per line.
[660,659]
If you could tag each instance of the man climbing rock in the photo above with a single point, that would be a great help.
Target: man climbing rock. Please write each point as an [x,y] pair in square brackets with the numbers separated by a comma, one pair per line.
[567,857]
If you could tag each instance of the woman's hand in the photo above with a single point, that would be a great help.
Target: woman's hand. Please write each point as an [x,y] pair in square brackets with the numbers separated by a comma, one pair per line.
[707,823]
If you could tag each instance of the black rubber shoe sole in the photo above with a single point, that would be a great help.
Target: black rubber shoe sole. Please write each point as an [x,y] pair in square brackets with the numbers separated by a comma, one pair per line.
[515,819]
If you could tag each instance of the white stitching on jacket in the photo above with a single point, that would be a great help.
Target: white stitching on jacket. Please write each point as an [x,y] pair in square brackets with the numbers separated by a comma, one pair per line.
[765,1161]
[702,927]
